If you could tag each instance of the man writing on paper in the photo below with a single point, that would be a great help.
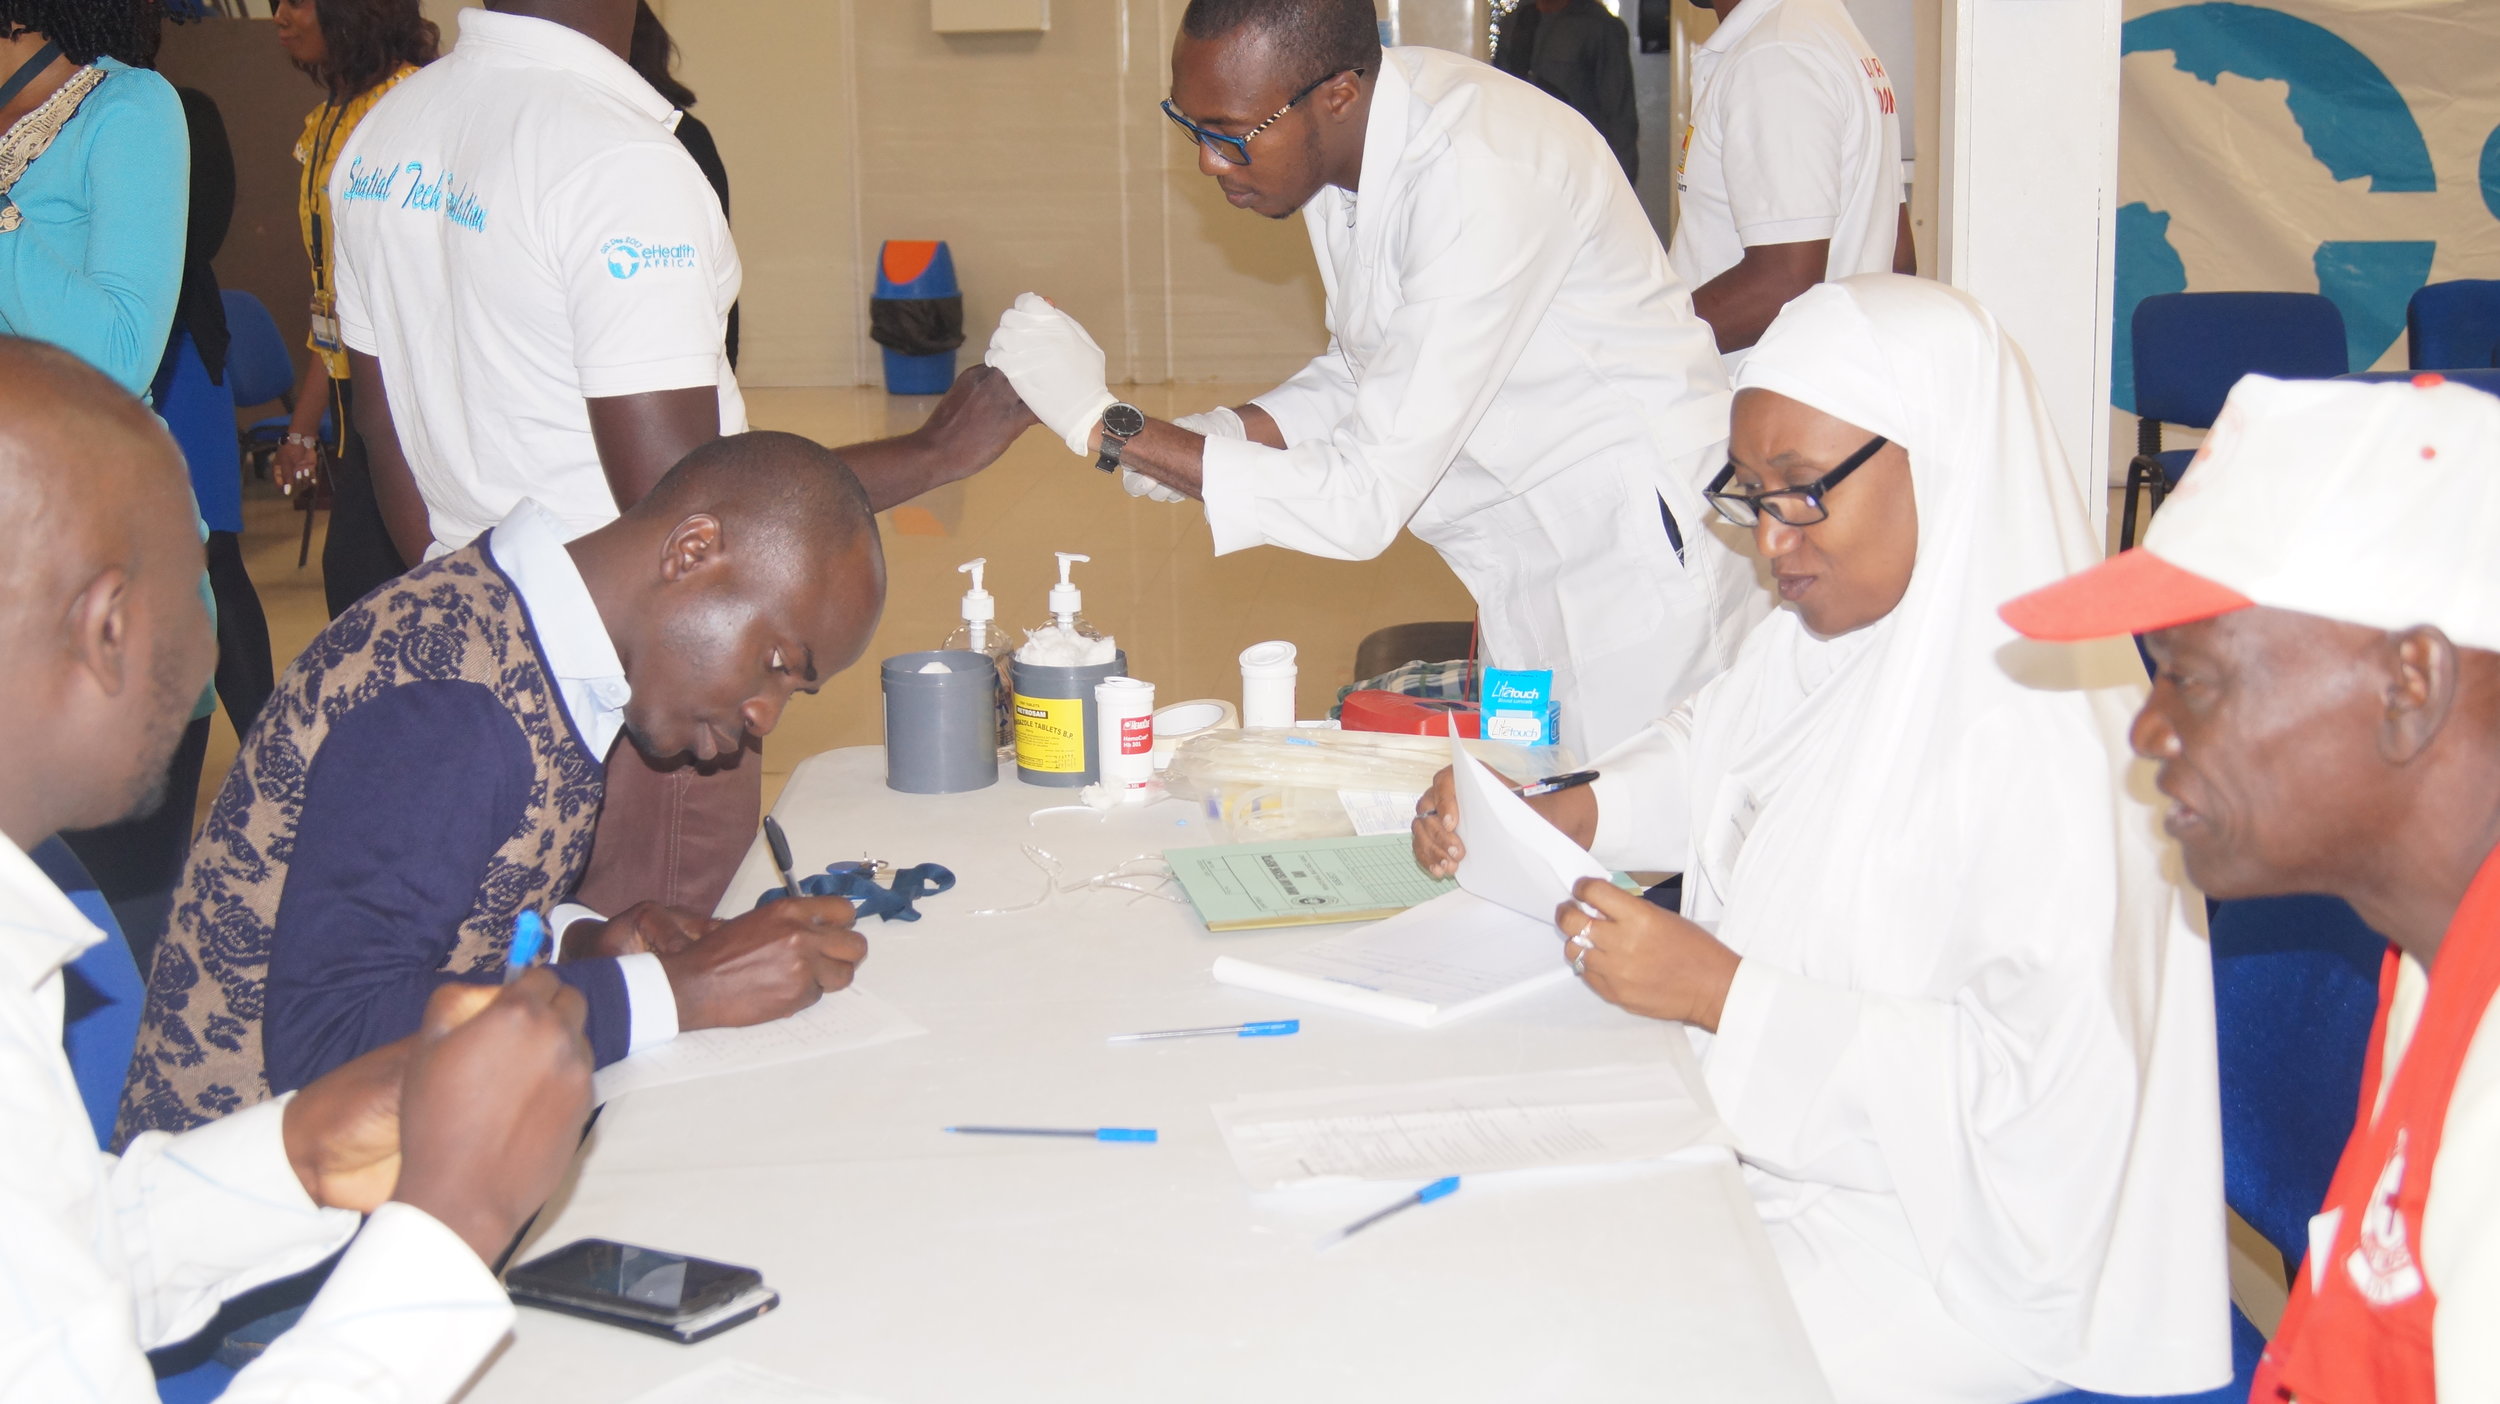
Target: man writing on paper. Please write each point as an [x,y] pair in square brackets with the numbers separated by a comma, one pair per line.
[1514,373]
[430,767]
[2320,599]
[534,281]
[450,1140]
[1791,170]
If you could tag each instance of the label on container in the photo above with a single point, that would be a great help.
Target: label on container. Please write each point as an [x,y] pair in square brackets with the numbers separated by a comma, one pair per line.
[1137,735]
[1050,734]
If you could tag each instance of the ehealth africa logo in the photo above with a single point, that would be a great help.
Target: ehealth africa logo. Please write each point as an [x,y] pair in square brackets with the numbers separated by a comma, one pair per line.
[2352,121]
[627,257]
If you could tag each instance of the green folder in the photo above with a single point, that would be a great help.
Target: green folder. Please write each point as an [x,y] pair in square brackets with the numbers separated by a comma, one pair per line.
[1303,882]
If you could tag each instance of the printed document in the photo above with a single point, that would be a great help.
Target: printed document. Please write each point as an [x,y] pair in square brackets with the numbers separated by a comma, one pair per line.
[1467,1125]
[1453,956]
[1513,856]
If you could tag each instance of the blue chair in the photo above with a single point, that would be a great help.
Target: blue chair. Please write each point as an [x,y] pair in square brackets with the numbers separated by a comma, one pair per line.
[2453,325]
[2191,348]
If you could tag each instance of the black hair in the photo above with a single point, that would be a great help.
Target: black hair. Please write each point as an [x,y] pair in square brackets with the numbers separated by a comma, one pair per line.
[368,40]
[653,54]
[1313,38]
[88,30]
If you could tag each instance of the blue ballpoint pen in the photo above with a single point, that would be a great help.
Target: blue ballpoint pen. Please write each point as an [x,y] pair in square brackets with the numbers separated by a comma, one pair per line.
[1098,1133]
[1264,1028]
[529,936]
[1438,1189]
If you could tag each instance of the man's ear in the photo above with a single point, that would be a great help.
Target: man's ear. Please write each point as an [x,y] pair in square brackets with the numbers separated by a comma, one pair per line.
[693,545]
[2420,691]
[96,630]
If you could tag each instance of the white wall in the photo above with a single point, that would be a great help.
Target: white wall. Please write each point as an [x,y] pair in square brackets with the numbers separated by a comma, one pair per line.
[2028,177]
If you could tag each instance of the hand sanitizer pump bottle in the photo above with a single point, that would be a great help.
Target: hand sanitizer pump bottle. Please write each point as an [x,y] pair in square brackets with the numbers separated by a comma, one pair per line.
[979,633]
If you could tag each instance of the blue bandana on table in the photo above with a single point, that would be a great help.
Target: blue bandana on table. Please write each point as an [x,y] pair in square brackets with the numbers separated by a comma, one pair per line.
[857,883]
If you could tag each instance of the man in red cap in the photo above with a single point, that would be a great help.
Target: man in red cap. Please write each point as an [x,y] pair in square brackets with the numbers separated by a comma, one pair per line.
[2322,599]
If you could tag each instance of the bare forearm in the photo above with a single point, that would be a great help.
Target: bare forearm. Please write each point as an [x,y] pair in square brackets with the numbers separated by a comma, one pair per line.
[394,485]
[1740,304]
[1170,455]
[1904,248]
[312,396]
[896,470]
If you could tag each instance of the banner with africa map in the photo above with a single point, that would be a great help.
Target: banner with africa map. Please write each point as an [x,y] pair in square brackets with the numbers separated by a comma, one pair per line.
[2347,147]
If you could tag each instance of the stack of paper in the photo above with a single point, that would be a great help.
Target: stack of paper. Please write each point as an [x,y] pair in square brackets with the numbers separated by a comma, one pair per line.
[1466,1126]
[837,1023]
[1513,857]
[1455,955]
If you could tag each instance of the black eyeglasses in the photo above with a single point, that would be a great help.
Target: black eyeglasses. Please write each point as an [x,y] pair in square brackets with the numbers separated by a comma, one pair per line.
[1235,150]
[1797,506]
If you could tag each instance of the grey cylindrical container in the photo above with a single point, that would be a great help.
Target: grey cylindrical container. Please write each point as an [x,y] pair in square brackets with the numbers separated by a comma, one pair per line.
[941,729]
[1057,736]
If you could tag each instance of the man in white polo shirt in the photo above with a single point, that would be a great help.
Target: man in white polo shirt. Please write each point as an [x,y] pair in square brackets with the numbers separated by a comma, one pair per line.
[1790,173]
[534,280]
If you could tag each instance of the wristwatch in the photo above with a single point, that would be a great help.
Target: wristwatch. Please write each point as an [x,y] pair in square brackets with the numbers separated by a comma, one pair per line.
[1120,423]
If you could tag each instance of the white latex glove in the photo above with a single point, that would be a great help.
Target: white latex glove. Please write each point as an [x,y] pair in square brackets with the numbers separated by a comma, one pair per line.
[1056,368]
[1217,423]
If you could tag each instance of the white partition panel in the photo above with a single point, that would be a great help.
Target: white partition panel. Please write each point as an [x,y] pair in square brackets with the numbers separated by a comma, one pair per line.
[2028,194]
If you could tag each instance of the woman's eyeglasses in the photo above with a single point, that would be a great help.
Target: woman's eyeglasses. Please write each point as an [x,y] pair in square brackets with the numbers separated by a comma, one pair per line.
[1235,150]
[1797,506]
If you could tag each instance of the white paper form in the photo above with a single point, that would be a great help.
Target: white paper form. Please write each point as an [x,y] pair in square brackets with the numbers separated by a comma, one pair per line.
[838,1023]
[1380,811]
[1451,957]
[1466,1126]
[1513,856]
[737,1382]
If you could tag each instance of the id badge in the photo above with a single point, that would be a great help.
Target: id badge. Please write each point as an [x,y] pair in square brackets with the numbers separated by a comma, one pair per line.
[325,326]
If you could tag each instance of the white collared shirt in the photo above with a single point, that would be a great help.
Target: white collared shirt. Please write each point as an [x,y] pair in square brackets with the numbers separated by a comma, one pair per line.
[102,1257]
[519,232]
[590,678]
[1793,138]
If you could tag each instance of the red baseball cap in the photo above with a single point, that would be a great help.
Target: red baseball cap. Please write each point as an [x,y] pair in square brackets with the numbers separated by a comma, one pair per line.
[2133,592]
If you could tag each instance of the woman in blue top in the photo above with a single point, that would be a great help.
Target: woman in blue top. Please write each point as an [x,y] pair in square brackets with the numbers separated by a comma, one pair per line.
[94,164]
[95,170]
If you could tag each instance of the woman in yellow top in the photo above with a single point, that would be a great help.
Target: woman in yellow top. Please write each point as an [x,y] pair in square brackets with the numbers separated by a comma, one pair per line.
[358,50]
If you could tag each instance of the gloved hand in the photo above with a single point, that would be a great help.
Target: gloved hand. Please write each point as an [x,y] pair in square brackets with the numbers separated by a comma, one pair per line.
[1217,423]
[1056,368]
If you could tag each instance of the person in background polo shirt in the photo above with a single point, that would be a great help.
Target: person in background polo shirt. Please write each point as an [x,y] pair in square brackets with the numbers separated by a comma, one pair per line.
[533,279]
[2320,599]
[1790,173]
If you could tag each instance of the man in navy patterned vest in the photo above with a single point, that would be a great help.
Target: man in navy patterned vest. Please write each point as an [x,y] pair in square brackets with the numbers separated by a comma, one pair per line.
[430,767]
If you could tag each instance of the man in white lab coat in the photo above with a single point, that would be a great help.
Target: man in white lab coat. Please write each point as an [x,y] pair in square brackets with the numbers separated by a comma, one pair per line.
[1513,371]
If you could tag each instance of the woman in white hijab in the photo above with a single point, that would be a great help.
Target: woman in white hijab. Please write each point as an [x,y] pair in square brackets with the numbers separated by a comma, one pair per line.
[1955,1009]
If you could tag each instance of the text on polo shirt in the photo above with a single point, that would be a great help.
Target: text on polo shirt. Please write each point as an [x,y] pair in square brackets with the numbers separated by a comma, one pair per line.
[441,195]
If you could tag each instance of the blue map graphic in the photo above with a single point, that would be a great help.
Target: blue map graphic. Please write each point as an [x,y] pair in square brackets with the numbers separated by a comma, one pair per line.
[2354,122]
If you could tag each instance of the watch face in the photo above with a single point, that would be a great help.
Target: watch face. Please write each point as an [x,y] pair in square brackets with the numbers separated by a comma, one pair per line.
[1124,420]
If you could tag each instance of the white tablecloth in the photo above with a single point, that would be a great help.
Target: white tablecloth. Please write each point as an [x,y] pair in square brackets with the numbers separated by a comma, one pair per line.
[924,1268]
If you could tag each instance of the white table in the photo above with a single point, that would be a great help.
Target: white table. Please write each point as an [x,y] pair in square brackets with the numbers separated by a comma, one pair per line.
[923,1268]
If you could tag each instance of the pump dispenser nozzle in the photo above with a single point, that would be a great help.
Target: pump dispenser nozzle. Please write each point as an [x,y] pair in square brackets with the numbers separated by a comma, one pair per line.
[1065,598]
[980,607]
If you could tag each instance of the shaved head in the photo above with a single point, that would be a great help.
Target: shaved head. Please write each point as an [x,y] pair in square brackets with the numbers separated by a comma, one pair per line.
[750,572]
[100,610]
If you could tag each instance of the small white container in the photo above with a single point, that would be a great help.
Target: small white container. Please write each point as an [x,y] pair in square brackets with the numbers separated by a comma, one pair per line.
[1124,711]
[1268,672]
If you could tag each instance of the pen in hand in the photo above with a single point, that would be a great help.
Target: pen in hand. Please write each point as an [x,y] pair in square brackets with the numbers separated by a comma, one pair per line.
[1553,783]
[529,937]
[779,843]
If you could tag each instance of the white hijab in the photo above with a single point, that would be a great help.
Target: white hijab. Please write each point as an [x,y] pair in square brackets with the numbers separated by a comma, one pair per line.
[2004,1021]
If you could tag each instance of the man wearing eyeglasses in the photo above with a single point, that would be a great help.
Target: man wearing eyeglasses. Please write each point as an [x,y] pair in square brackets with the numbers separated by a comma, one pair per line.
[1514,372]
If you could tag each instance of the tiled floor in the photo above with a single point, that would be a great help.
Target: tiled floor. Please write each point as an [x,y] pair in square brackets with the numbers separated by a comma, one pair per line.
[1154,582]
